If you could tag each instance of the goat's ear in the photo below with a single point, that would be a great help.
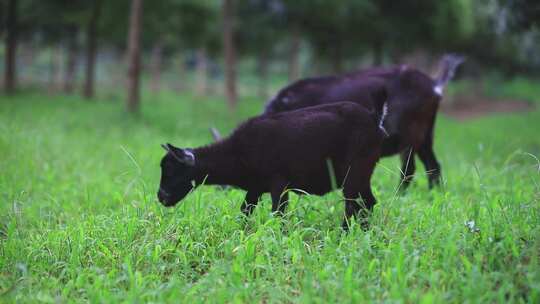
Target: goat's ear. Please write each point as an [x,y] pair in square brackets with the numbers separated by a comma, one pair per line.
[168,147]
[171,147]
[184,156]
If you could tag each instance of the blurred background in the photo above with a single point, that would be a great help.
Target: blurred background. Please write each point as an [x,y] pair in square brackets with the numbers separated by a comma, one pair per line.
[89,89]
[230,49]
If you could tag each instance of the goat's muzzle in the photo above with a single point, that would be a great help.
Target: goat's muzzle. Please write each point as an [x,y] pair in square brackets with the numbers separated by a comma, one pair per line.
[165,198]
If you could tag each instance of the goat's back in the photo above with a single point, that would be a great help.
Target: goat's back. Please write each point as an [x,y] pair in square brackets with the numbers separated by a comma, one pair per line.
[409,93]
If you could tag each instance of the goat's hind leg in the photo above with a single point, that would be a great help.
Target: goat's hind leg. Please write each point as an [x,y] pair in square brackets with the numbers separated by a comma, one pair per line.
[250,202]
[408,168]
[433,169]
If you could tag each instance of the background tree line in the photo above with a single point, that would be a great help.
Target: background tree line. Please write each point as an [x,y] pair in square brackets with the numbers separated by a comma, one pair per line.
[214,38]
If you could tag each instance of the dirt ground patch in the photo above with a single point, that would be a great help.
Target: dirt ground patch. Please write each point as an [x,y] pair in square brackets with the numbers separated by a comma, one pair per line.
[470,107]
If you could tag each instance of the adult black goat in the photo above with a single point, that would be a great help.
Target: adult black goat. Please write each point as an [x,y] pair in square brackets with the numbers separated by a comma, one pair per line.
[413,100]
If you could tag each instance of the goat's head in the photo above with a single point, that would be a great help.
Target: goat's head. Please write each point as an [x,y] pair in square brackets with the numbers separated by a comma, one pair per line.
[177,175]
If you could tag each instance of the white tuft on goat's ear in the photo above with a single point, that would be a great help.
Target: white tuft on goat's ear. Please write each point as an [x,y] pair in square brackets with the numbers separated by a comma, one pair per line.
[165,147]
[189,157]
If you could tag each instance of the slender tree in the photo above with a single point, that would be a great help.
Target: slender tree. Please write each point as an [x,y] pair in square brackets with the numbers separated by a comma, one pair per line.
[11,47]
[262,71]
[180,72]
[134,56]
[71,64]
[155,66]
[294,54]
[377,52]
[55,68]
[55,24]
[262,22]
[229,53]
[202,72]
[91,49]
[187,25]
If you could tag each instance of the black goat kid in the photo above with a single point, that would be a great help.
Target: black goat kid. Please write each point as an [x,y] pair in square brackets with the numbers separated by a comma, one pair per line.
[290,150]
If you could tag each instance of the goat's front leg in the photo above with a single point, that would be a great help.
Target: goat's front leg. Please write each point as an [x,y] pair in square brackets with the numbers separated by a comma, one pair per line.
[358,210]
[351,209]
[250,202]
[358,184]
[280,197]
[408,168]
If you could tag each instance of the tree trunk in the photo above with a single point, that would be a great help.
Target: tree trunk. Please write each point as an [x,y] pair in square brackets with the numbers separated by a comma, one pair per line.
[55,68]
[11,48]
[337,59]
[377,53]
[395,56]
[71,64]
[134,56]
[202,72]
[181,74]
[52,70]
[91,47]
[117,73]
[294,57]
[230,53]
[262,71]
[26,55]
[59,64]
[157,56]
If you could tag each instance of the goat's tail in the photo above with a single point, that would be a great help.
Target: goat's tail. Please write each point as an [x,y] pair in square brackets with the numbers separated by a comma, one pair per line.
[447,69]
[384,113]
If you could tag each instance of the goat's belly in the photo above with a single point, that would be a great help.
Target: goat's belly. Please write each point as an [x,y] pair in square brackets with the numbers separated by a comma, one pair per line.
[316,189]
[315,182]
[391,145]
[413,137]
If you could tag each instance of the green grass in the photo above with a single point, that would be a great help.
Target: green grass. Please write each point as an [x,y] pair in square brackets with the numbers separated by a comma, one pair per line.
[79,221]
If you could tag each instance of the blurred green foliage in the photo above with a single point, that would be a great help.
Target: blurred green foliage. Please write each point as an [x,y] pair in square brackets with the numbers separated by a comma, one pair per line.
[337,31]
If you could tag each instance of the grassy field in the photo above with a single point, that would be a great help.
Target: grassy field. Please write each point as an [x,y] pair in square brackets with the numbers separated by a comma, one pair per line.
[79,219]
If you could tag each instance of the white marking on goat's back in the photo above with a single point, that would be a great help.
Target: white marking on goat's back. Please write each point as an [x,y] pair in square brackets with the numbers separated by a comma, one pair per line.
[438,89]
[403,68]
[383,116]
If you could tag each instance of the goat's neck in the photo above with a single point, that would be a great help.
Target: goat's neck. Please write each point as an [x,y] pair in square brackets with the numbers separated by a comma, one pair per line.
[218,164]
